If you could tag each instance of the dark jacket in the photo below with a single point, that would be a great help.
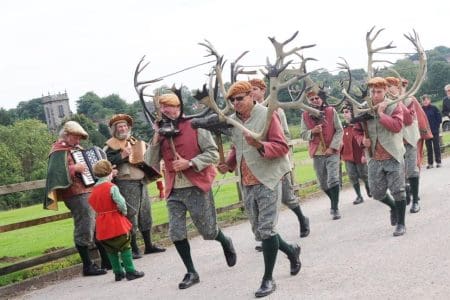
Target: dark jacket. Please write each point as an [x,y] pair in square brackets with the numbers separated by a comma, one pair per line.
[434,118]
[446,106]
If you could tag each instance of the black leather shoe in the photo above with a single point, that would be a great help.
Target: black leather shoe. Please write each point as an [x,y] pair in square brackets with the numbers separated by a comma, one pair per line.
[393,216]
[304,232]
[358,200]
[429,166]
[154,249]
[93,270]
[136,255]
[106,265]
[230,253]
[119,276]
[438,165]
[296,265]
[189,280]
[267,287]
[336,214]
[259,248]
[415,207]
[399,230]
[134,275]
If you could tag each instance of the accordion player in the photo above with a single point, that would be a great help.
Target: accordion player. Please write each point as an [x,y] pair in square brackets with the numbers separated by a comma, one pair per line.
[89,157]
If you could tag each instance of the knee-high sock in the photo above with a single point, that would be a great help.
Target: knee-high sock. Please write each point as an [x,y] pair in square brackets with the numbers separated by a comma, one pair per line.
[222,239]
[115,263]
[414,183]
[388,201]
[284,247]
[184,250]
[105,263]
[357,189]
[298,212]
[366,183]
[127,259]
[400,207]
[270,249]
[334,194]
[83,251]
[146,235]
[133,243]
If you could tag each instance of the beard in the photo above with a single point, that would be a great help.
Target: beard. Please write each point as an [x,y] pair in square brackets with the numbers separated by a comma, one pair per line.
[122,136]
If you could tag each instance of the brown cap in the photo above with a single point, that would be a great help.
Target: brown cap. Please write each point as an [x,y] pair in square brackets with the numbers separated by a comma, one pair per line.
[169,99]
[121,118]
[102,168]
[72,127]
[392,81]
[377,82]
[239,87]
[258,83]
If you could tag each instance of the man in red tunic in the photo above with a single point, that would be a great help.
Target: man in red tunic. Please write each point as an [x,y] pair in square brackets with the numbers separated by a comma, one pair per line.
[324,137]
[188,155]
[111,223]
[352,153]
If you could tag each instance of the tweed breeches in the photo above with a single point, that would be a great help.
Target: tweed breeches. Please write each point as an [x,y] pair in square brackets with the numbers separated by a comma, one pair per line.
[83,219]
[201,208]
[384,175]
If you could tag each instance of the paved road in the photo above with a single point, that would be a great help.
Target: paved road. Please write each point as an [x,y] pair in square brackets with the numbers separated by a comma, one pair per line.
[353,258]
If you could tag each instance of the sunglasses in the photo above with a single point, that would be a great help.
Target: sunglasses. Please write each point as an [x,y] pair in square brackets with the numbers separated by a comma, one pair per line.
[238,98]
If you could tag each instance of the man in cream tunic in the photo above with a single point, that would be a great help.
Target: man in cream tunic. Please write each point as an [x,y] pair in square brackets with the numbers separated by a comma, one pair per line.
[261,165]
[386,166]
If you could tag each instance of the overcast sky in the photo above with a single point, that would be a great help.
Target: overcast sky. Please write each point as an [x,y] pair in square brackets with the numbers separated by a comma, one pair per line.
[80,46]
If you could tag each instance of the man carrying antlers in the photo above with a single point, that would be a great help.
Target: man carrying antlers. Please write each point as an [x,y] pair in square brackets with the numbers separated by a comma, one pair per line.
[386,168]
[325,138]
[261,165]
[288,197]
[188,155]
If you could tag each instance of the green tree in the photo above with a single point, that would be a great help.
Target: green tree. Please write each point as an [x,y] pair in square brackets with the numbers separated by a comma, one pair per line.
[7,117]
[10,172]
[115,104]
[91,106]
[32,109]
[29,140]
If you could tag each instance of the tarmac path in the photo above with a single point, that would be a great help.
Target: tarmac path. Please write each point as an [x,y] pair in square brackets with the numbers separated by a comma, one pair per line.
[353,258]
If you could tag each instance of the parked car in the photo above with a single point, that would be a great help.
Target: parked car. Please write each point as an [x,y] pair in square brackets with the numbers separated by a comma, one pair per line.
[445,124]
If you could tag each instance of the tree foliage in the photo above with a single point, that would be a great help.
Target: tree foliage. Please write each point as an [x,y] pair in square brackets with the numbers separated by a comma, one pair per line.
[32,109]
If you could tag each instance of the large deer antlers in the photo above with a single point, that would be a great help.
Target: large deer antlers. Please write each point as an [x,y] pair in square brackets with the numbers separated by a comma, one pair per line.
[140,87]
[420,76]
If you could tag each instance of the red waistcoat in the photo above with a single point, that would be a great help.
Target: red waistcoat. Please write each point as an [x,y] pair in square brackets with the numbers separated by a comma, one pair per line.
[328,129]
[186,145]
[109,222]
[351,149]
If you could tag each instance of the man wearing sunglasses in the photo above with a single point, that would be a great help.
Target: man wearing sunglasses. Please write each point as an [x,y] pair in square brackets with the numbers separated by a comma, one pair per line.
[288,196]
[261,165]
[325,138]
